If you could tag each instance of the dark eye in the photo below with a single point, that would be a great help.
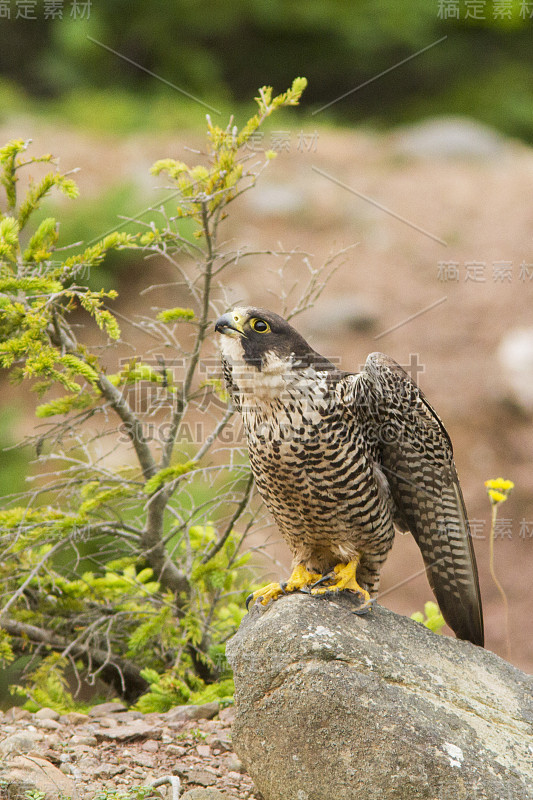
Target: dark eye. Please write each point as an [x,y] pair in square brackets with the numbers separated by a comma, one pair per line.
[259,326]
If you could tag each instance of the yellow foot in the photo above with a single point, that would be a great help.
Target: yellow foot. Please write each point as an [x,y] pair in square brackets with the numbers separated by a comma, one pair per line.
[343,578]
[300,579]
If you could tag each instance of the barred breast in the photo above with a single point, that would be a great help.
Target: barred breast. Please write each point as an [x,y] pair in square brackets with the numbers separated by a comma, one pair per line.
[318,477]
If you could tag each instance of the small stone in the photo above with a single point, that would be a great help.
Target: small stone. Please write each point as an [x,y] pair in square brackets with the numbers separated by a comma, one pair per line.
[353,314]
[212,770]
[515,357]
[203,794]
[90,766]
[221,743]
[203,750]
[54,757]
[175,750]
[108,722]
[74,718]
[17,713]
[108,770]
[200,776]
[80,751]
[75,772]
[235,764]
[192,712]
[67,767]
[22,742]
[47,713]
[124,733]
[144,760]
[448,137]
[235,776]
[150,746]
[127,716]
[227,715]
[211,725]
[103,709]
[37,774]
[48,724]
[87,740]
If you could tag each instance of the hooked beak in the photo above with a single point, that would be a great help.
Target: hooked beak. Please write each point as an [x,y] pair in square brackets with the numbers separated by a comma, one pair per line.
[230,323]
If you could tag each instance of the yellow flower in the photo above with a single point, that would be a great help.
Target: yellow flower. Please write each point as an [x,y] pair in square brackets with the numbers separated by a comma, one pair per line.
[499,484]
[496,497]
[498,489]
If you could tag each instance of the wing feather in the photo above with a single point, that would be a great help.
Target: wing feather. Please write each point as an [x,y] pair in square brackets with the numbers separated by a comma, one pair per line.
[415,454]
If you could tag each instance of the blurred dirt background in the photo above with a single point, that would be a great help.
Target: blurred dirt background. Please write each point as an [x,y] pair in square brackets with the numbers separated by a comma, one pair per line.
[449,304]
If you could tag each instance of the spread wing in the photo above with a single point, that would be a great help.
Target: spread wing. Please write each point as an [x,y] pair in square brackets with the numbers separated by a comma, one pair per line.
[415,454]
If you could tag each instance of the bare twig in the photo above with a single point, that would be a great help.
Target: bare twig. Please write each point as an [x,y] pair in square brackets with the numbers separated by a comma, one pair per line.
[237,514]
[123,674]
[31,575]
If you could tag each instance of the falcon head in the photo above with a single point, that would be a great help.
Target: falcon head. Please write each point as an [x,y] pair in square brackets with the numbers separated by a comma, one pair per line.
[258,338]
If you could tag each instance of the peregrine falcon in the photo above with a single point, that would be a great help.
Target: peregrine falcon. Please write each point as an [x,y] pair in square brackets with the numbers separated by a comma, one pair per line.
[342,459]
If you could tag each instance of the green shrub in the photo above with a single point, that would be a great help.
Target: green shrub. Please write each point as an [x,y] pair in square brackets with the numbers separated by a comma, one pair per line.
[123,562]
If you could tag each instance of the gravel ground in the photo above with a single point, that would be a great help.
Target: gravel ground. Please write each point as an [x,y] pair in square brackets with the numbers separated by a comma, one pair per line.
[115,749]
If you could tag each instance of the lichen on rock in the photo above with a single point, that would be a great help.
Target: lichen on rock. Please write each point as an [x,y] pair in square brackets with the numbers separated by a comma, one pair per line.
[330,704]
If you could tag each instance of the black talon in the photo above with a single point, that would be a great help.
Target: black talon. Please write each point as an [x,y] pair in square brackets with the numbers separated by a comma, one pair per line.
[248,599]
[322,580]
[360,612]
[283,587]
